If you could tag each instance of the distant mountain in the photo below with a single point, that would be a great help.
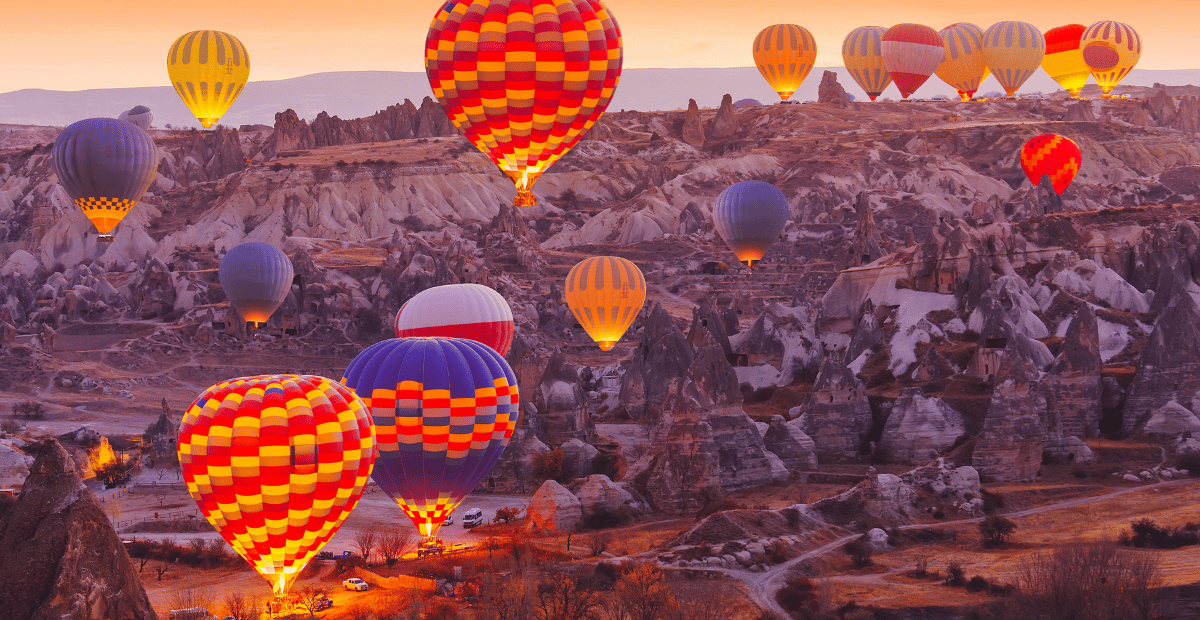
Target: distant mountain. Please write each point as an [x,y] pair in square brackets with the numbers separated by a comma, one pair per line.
[353,94]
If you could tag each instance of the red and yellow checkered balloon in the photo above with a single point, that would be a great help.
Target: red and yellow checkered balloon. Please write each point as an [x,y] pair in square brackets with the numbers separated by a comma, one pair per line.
[524,79]
[1054,155]
[276,463]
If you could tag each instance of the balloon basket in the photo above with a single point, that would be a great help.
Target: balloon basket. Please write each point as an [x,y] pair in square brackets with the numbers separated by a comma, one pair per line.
[525,198]
[105,238]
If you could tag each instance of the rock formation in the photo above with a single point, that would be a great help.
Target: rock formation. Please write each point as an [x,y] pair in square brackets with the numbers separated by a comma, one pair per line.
[598,494]
[725,123]
[1170,421]
[1010,446]
[61,557]
[787,441]
[919,428]
[836,414]
[1170,369]
[397,122]
[553,508]
[830,91]
[693,126]
[663,353]
[561,405]
[1073,381]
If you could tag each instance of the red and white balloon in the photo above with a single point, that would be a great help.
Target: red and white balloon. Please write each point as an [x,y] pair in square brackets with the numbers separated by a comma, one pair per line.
[470,311]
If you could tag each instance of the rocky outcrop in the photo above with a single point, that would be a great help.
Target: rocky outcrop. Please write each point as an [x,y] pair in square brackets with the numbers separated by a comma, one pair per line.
[61,557]
[1080,111]
[836,414]
[664,353]
[14,463]
[919,428]
[880,498]
[1010,446]
[787,441]
[830,91]
[561,405]
[1073,381]
[577,457]
[784,337]
[1170,362]
[555,509]
[693,126]
[513,473]
[598,495]
[1170,421]
[706,319]
[725,124]
[397,122]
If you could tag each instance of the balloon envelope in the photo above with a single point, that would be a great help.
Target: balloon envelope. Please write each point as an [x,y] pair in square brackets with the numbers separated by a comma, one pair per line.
[784,54]
[208,69]
[138,115]
[1054,155]
[105,165]
[276,463]
[444,409]
[470,311]
[862,52]
[963,67]
[257,278]
[749,216]
[524,81]
[1111,50]
[1064,58]
[1013,51]
[911,53]
[605,293]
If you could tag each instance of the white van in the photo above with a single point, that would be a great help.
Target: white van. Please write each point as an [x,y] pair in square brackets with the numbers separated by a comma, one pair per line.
[473,517]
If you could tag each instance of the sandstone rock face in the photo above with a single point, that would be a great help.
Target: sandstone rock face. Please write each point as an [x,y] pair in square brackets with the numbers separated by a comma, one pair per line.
[919,428]
[397,122]
[599,494]
[664,353]
[554,508]
[1171,420]
[14,463]
[693,127]
[1170,365]
[788,442]
[784,337]
[513,473]
[830,91]
[561,404]
[1067,450]
[1010,446]
[1073,382]
[577,457]
[683,473]
[836,414]
[62,558]
[725,123]
[881,496]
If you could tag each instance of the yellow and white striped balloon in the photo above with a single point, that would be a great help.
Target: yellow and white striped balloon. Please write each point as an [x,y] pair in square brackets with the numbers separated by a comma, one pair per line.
[862,53]
[964,67]
[1111,50]
[605,293]
[785,54]
[1013,51]
[208,69]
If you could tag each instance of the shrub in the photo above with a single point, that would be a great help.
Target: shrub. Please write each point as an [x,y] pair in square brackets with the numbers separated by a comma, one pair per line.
[548,465]
[1145,533]
[977,584]
[345,565]
[955,575]
[859,551]
[798,594]
[508,514]
[1190,462]
[115,472]
[939,513]
[604,518]
[995,530]
[779,552]
[11,427]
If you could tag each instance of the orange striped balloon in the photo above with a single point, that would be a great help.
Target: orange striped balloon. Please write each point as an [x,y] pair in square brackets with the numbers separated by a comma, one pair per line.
[606,293]
[524,79]
[208,69]
[862,52]
[276,463]
[1111,50]
[963,67]
[1013,51]
[1053,155]
[784,54]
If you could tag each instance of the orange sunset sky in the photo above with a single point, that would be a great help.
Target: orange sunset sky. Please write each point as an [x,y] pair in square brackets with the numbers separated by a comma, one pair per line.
[81,44]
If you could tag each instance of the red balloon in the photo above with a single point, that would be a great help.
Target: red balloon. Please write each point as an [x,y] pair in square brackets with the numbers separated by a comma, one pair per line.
[470,311]
[911,53]
[1054,155]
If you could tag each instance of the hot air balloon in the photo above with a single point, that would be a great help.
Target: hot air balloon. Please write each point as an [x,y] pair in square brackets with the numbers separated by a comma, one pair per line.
[105,166]
[749,216]
[470,311]
[911,53]
[524,81]
[1013,51]
[605,293]
[1111,50]
[862,51]
[785,54]
[209,69]
[257,277]
[444,410]
[963,67]
[1064,58]
[1053,155]
[276,463]
[138,115]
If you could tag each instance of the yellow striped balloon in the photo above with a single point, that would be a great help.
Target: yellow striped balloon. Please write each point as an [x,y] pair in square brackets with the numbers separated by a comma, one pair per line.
[1111,50]
[1013,51]
[785,54]
[862,53]
[605,293]
[964,68]
[209,69]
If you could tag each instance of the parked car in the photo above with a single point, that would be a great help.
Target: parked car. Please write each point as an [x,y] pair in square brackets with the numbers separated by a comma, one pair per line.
[473,517]
[325,603]
[356,584]
[325,555]
[449,520]
[430,547]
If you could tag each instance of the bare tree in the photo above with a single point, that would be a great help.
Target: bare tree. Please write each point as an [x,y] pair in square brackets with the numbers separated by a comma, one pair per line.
[642,593]
[598,542]
[241,607]
[1081,581]
[161,568]
[160,495]
[702,601]
[365,541]
[189,596]
[310,599]
[508,599]
[359,612]
[394,543]
[562,596]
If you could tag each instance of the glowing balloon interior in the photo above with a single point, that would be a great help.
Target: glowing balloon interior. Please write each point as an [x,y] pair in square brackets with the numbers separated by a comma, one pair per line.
[208,69]
[605,293]
[105,165]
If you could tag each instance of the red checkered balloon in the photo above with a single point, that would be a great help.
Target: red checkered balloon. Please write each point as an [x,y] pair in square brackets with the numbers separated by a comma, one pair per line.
[276,463]
[524,79]
[1054,155]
